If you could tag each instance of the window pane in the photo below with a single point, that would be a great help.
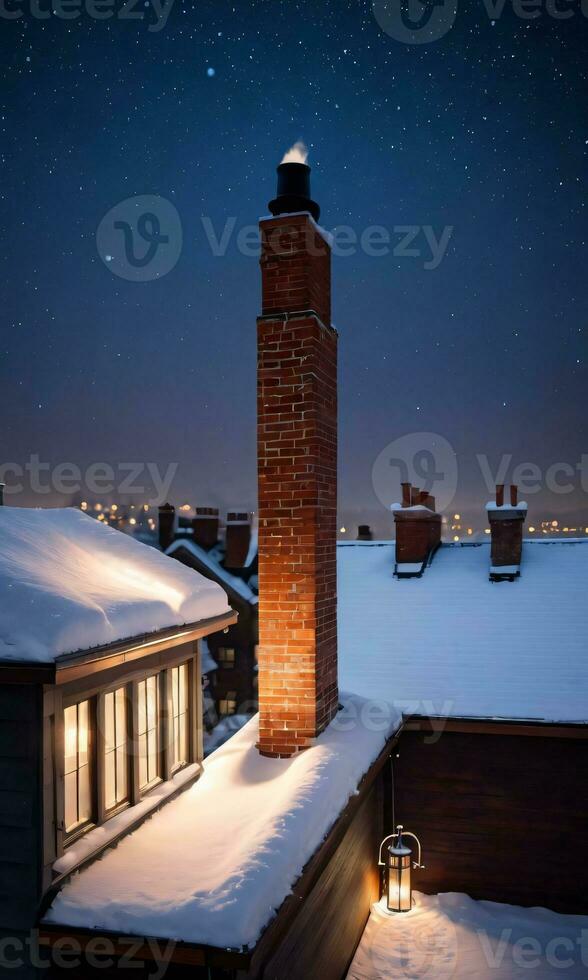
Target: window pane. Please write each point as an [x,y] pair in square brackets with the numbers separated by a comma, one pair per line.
[110,785]
[84,794]
[179,721]
[143,780]
[151,702]
[115,748]
[70,718]
[121,716]
[109,734]
[183,739]
[183,685]
[83,722]
[152,754]
[121,774]
[142,701]
[71,800]
[77,768]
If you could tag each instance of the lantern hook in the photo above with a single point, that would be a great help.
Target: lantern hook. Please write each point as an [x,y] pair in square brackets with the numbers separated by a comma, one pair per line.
[400,833]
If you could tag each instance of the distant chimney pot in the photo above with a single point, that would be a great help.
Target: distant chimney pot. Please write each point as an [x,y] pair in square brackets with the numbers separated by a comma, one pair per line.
[238,539]
[167,519]
[506,528]
[418,532]
[205,527]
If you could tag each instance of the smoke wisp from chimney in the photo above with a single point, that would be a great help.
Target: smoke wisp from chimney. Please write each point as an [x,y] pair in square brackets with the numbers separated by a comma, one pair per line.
[297,153]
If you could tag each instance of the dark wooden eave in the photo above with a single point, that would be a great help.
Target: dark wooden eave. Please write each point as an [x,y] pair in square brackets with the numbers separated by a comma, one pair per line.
[71,666]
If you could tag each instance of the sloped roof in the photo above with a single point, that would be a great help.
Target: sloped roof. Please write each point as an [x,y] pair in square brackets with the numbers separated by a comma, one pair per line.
[69,583]
[454,644]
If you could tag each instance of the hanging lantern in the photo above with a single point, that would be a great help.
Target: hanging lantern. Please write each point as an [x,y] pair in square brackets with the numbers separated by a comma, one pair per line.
[399,865]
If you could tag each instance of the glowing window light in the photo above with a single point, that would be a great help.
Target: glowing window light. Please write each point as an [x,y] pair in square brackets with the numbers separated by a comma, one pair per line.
[77,765]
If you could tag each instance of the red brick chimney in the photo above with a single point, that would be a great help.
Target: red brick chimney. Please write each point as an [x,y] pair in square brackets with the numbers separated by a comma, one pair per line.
[418,531]
[205,527]
[238,539]
[506,528]
[297,470]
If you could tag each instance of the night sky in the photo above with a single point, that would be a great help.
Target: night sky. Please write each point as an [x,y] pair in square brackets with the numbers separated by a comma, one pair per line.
[483,131]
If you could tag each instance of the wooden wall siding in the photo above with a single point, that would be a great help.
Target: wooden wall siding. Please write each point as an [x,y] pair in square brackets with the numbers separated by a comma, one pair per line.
[500,817]
[20,806]
[325,934]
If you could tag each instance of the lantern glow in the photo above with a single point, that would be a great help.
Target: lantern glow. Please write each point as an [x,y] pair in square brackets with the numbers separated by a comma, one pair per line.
[399,867]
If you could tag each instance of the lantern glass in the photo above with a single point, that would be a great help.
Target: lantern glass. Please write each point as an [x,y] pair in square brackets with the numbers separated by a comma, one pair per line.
[399,887]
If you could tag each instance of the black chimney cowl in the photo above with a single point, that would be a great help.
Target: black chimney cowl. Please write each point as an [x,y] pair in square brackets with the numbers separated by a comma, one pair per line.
[294,191]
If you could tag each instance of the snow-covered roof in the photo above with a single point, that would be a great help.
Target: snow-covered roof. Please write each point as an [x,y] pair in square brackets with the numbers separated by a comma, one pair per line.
[452,643]
[232,582]
[214,864]
[69,583]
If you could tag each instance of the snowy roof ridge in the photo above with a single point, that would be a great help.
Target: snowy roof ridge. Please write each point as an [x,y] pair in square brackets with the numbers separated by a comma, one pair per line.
[69,583]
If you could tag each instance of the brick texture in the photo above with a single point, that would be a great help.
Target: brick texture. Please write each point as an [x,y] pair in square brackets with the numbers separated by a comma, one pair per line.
[297,460]
[507,541]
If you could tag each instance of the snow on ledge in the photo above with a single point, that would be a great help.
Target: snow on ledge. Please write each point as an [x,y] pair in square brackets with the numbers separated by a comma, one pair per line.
[84,846]
[327,236]
[215,864]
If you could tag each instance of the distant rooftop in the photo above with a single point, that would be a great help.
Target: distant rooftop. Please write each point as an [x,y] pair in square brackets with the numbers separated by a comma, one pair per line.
[453,643]
[69,583]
